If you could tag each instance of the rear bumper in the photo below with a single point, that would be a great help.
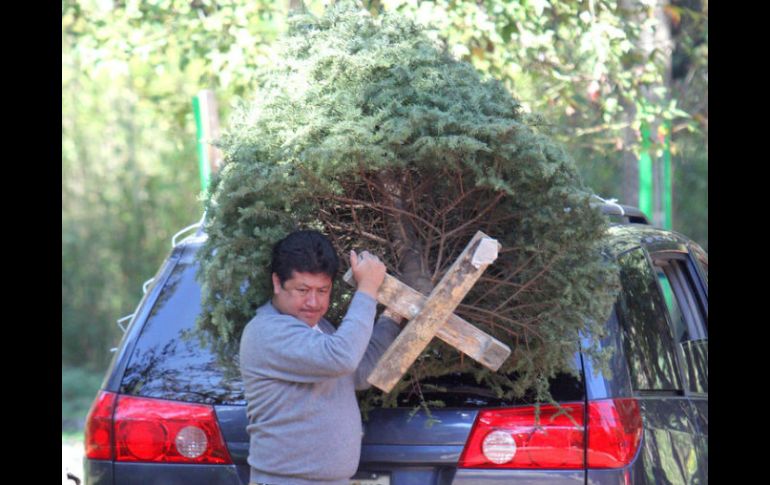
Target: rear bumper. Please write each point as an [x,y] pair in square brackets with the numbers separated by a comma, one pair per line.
[97,472]
[108,473]
[508,477]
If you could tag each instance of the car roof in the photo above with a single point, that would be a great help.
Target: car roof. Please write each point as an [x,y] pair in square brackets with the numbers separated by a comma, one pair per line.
[624,237]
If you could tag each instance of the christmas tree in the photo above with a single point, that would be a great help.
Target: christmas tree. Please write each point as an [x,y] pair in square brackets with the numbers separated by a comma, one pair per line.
[371,132]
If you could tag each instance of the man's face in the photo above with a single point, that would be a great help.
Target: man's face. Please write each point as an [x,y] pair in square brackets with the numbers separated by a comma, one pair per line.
[304,296]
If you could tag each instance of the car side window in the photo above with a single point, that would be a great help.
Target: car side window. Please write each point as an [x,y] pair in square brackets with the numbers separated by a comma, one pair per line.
[647,338]
[688,313]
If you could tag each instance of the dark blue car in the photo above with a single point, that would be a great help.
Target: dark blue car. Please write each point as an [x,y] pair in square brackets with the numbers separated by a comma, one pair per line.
[171,411]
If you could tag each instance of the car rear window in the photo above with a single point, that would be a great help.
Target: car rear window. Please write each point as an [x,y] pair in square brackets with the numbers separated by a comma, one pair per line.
[462,390]
[170,362]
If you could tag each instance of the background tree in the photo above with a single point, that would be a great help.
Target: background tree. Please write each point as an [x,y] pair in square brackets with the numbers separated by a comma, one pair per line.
[129,182]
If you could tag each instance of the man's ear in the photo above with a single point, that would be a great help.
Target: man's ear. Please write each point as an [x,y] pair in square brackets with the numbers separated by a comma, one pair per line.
[276,284]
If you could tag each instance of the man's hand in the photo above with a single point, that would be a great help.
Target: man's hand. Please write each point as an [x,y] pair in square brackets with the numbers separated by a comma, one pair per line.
[368,271]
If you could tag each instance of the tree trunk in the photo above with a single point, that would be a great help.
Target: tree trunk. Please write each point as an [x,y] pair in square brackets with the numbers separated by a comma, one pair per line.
[406,241]
[654,40]
[296,6]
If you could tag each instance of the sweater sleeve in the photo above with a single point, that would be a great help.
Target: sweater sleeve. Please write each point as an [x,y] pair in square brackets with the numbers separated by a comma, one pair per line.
[385,332]
[283,347]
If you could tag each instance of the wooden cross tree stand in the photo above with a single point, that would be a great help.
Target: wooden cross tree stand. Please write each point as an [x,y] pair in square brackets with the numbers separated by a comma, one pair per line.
[434,316]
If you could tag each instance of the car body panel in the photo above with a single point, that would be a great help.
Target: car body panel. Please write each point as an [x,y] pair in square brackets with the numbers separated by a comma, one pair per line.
[669,448]
[442,427]
[374,456]
[232,422]
[700,407]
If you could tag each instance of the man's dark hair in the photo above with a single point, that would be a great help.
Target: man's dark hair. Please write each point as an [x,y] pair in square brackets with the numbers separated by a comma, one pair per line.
[304,252]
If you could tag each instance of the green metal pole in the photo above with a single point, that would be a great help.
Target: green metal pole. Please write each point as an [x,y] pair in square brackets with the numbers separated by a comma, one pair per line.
[667,181]
[204,167]
[645,175]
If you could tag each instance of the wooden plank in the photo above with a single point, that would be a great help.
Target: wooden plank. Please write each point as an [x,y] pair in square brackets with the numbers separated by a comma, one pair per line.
[439,305]
[456,331]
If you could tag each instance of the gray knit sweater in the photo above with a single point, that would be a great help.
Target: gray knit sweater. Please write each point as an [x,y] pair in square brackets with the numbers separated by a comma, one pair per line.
[304,421]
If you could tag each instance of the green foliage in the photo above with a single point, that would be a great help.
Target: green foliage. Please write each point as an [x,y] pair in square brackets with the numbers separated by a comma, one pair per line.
[78,390]
[369,130]
[129,73]
[579,59]
[690,211]
[122,198]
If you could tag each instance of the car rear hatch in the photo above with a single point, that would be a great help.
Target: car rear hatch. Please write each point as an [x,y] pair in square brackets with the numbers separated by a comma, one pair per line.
[403,447]
[410,445]
[397,448]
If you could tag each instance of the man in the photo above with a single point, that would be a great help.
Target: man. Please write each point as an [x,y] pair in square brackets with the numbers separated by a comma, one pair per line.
[300,375]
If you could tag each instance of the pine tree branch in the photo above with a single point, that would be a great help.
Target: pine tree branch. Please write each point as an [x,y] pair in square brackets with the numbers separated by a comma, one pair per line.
[470,310]
[478,217]
[383,208]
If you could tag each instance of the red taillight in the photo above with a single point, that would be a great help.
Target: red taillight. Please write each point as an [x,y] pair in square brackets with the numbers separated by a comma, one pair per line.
[154,430]
[614,432]
[509,438]
[98,436]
